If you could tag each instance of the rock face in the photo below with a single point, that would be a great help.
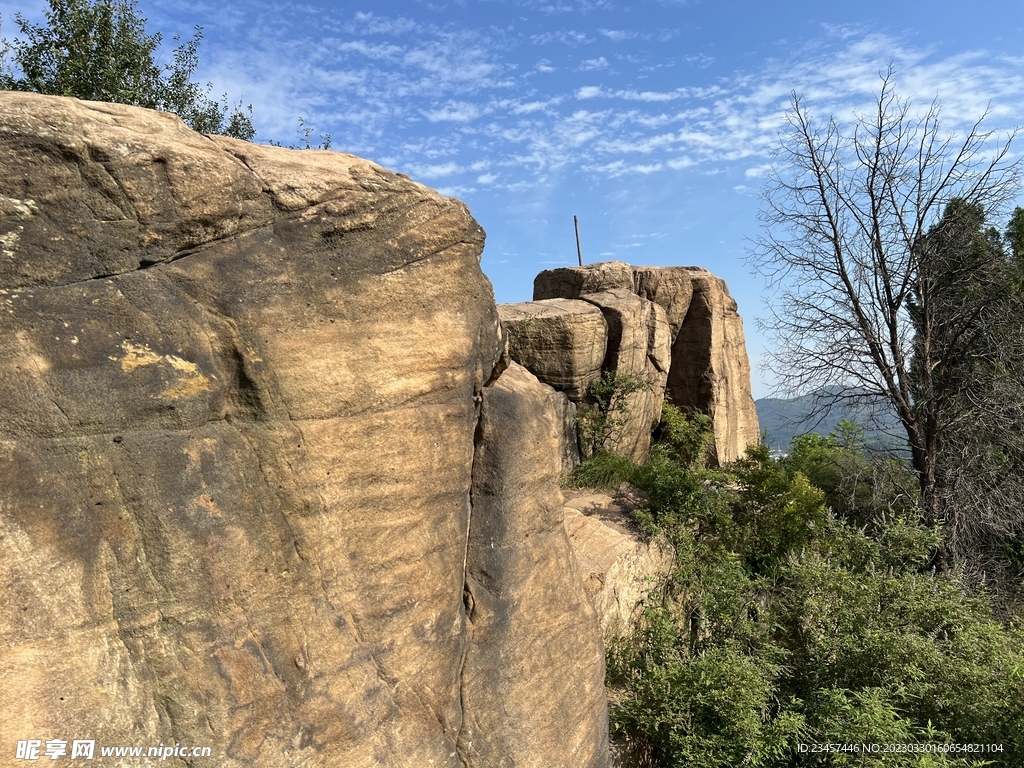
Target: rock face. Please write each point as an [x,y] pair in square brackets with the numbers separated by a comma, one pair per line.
[638,348]
[618,567]
[239,393]
[708,370]
[526,598]
[559,341]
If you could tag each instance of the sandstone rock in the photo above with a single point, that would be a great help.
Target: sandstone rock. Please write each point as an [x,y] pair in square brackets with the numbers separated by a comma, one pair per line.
[710,370]
[568,438]
[528,613]
[574,282]
[237,420]
[669,287]
[560,341]
[618,567]
[638,346]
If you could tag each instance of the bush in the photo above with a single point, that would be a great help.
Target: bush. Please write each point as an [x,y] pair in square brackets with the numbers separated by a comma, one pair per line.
[608,401]
[785,622]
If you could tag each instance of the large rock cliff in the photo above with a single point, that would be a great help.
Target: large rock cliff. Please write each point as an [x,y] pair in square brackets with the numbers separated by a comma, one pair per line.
[257,485]
[676,328]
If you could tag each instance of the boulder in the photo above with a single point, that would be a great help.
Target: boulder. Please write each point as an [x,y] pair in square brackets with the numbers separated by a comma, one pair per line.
[638,348]
[528,612]
[619,568]
[574,282]
[239,395]
[560,341]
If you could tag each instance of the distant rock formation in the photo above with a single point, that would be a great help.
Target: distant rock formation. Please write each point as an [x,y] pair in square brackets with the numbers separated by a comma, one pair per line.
[675,327]
[264,486]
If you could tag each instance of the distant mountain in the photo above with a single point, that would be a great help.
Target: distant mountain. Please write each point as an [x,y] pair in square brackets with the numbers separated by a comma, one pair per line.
[783,419]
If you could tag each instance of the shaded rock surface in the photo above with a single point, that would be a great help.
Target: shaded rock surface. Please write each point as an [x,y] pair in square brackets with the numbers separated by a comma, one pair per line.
[638,348]
[565,420]
[710,369]
[528,612]
[618,567]
[239,393]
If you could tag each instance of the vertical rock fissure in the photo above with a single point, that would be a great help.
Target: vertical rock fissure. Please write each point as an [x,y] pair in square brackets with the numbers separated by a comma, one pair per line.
[468,600]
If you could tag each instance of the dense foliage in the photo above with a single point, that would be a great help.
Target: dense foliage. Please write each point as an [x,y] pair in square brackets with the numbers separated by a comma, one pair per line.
[100,50]
[968,314]
[803,609]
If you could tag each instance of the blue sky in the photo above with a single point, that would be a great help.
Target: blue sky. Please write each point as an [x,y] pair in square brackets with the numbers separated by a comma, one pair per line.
[651,120]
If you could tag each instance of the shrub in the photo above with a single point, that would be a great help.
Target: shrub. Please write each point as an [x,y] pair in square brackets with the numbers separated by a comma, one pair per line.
[786,623]
[608,400]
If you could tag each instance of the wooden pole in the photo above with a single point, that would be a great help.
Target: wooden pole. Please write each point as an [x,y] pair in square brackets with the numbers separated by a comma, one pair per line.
[579,253]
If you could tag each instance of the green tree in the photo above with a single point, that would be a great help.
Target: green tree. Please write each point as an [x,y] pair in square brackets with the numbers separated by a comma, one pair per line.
[1015,234]
[99,50]
[968,377]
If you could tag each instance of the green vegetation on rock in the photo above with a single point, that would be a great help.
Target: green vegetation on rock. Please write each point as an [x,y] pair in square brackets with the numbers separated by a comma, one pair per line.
[804,609]
[99,50]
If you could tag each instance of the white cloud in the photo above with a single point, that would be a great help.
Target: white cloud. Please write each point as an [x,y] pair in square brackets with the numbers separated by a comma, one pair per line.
[758,171]
[617,35]
[566,37]
[456,191]
[679,163]
[455,112]
[534,106]
[590,64]
[433,171]
[370,50]
[371,24]
[438,101]
[700,60]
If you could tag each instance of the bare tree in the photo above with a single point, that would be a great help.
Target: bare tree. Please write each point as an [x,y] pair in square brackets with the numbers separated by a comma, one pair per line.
[847,209]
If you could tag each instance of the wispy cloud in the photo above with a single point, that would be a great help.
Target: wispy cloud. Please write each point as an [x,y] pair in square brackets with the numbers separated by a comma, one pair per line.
[564,36]
[617,35]
[455,112]
[438,99]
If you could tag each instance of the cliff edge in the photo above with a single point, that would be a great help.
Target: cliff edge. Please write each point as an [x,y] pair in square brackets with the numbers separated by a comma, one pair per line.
[251,496]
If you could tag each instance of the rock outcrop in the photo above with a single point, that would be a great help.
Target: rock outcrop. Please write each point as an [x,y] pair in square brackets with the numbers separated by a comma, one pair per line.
[525,597]
[559,341]
[244,499]
[619,568]
[708,370]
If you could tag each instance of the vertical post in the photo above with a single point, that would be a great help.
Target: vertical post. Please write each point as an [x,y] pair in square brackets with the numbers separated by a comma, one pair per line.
[579,253]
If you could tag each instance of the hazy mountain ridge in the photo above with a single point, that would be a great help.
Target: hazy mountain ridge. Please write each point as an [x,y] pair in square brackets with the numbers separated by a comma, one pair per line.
[782,419]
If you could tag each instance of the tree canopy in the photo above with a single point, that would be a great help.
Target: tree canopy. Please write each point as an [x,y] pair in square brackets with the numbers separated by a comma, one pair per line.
[100,50]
